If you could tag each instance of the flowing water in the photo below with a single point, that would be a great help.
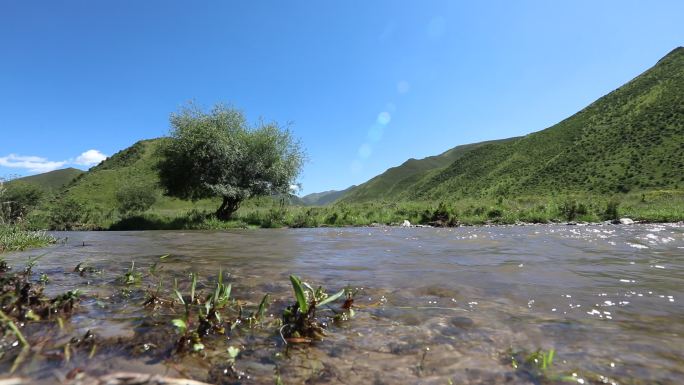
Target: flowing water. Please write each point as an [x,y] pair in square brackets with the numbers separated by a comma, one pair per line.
[435,306]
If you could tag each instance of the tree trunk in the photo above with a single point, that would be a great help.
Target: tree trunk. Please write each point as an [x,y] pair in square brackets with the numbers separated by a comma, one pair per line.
[228,207]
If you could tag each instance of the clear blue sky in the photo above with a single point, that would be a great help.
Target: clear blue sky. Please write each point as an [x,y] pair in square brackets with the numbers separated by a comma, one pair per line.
[366,84]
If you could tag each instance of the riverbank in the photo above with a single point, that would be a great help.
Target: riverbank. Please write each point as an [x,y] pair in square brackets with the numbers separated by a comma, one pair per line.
[435,214]
[650,207]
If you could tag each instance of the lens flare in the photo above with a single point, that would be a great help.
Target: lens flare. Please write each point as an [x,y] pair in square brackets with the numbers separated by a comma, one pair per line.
[384,118]
[375,132]
[365,151]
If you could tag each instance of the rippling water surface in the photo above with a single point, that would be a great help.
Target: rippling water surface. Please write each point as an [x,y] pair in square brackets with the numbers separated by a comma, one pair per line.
[437,305]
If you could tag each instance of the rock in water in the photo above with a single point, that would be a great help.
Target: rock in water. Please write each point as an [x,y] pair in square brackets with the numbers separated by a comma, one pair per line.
[626,221]
[405,223]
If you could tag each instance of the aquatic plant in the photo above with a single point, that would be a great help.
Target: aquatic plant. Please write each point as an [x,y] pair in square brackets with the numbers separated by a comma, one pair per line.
[131,276]
[538,366]
[232,353]
[84,268]
[300,324]
[30,264]
[208,312]
[22,301]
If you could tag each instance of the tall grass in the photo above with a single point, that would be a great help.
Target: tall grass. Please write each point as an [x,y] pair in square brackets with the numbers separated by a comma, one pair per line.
[13,238]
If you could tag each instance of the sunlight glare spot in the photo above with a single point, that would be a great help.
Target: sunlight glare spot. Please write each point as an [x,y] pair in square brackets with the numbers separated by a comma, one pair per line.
[384,118]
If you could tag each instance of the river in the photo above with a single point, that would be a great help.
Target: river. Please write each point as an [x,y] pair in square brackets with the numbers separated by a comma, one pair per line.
[434,306]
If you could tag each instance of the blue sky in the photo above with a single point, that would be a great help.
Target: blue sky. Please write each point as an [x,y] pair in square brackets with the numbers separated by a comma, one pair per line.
[365,84]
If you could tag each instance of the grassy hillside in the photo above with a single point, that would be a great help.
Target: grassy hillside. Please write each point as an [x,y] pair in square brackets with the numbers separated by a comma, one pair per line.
[53,180]
[323,198]
[396,180]
[629,140]
[137,164]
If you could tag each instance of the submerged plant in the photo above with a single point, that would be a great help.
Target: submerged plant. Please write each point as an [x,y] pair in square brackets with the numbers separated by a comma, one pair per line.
[300,324]
[31,263]
[84,268]
[208,313]
[22,301]
[155,299]
[232,353]
[131,276]
[538,366]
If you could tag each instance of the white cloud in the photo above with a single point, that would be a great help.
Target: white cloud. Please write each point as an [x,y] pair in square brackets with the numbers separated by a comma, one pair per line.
[34,164]
[90,158]
[38,164]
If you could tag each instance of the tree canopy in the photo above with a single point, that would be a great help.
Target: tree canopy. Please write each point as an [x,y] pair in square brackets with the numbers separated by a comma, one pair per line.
[217,153]
[17,199]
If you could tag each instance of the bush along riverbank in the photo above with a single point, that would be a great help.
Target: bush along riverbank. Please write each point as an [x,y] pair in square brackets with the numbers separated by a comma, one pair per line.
[14,238]
[653,206]
[268,213]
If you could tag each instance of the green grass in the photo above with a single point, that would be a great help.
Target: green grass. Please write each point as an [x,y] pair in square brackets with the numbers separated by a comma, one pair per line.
[655,206]
[13,238]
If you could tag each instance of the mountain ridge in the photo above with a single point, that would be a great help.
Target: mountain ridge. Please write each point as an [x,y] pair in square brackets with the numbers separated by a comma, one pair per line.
[628,139]
[51,180]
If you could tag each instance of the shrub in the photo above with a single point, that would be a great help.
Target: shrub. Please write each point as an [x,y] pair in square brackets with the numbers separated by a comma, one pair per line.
[66,215]
[494,213]
[569,210]
[135,198]
[18,199]
[611,212]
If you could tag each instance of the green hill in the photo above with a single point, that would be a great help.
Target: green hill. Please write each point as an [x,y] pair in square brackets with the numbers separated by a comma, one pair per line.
[629,140]
[136,165]
[53,180]
[323,198]
[396,180]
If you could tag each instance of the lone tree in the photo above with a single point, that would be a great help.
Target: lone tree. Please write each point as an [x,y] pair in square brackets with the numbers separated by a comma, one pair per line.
[217,153]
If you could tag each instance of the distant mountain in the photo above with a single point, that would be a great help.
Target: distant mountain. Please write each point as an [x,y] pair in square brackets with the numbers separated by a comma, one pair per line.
[396,180]
[53,180]
[629,140]
[323,198]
